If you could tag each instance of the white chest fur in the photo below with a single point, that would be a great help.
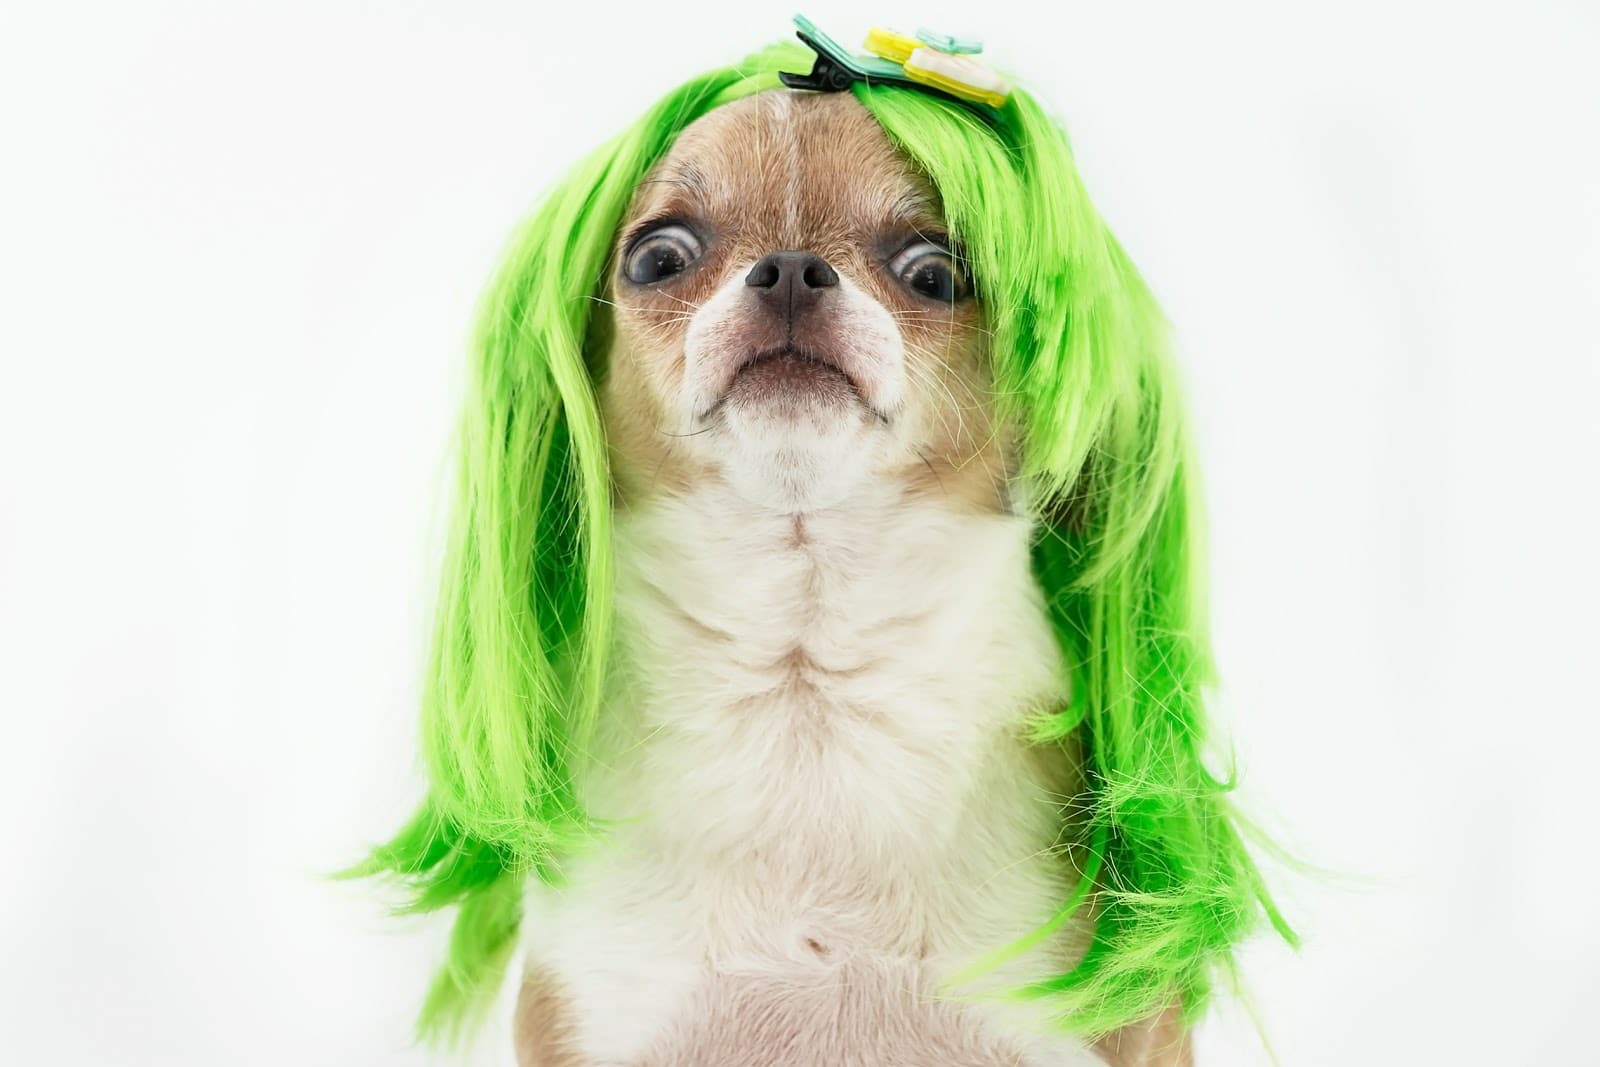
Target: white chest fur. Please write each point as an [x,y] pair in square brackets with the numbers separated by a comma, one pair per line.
[810,767]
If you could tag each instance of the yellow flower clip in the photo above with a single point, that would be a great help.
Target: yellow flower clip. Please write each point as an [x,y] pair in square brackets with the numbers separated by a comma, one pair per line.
[942,62]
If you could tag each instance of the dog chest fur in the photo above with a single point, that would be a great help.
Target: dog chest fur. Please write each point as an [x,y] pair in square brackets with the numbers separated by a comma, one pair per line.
[818,805]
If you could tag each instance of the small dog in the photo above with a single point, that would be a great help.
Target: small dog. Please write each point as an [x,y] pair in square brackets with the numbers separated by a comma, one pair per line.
[820,652]
[820,805]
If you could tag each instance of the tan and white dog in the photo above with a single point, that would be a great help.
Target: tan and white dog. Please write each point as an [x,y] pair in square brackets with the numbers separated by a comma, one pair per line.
[821,808]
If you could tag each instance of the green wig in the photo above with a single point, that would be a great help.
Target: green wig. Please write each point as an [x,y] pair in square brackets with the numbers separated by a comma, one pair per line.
[1081,373]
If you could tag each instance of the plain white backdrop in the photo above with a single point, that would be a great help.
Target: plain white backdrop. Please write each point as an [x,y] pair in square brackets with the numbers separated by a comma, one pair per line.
[239,249]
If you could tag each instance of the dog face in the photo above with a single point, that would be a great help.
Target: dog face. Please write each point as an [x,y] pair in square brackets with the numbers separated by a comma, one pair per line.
[790,318]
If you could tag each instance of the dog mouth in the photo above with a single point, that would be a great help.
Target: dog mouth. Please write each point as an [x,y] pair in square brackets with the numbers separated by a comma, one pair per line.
[792,374]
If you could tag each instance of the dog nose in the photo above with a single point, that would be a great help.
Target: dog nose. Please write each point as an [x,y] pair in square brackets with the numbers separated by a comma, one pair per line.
[791,280]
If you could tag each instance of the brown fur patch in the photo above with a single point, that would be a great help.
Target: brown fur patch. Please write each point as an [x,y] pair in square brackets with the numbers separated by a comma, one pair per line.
[1158,1042]
[542,1029]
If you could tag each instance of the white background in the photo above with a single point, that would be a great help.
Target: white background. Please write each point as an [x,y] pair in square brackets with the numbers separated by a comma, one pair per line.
[239,249]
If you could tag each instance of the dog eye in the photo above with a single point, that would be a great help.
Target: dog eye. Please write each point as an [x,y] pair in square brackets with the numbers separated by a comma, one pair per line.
[660,254]
[931,270]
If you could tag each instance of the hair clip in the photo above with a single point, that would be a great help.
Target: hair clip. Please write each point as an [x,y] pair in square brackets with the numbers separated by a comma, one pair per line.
[932,62]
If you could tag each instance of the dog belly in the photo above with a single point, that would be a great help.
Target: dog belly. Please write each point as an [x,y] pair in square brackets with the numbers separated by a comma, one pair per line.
[855,1012]
[654,968]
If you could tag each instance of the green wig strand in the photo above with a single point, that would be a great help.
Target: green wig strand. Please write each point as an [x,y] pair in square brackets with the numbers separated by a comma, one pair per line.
[1081,372]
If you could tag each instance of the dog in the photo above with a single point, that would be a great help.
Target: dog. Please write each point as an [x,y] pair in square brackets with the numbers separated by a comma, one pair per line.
[820,807]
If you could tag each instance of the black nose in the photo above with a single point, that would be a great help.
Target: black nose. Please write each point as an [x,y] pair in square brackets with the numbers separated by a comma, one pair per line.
[791,279]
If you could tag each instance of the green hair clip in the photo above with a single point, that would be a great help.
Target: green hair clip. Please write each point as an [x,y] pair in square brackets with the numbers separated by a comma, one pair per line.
[934,62]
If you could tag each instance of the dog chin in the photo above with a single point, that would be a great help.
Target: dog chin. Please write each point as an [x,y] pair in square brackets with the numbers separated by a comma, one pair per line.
[798,451]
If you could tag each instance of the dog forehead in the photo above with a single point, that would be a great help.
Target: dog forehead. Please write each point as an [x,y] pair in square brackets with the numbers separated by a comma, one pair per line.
[799,167]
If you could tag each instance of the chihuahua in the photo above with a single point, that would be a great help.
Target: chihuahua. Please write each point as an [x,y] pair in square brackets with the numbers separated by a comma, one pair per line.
[820,807]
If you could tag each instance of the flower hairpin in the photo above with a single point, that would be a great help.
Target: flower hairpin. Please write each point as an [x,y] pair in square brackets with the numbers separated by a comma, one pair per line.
[933,62]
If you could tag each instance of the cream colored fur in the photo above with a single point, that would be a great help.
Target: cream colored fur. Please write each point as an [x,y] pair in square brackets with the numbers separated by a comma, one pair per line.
[820,804]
